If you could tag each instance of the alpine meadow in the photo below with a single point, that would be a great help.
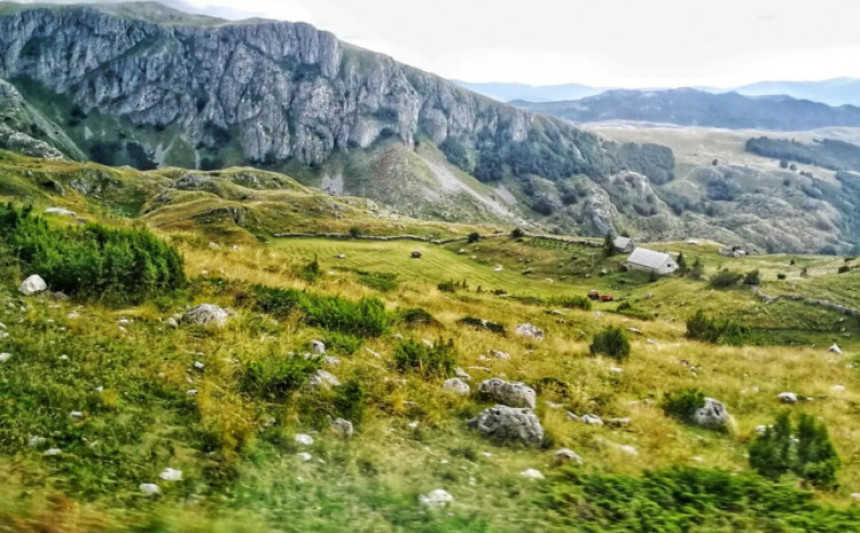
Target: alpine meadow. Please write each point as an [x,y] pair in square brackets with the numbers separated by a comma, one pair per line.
[254,278]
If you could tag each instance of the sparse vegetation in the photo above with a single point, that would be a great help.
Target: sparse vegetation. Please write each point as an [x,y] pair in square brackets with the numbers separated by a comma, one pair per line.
[683,404]
[707,329]
[436,360]
[725,279]
[612,341]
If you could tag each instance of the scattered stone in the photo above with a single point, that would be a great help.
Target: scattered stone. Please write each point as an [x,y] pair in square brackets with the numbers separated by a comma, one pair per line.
[32,285]
[343,427]
[331,360]
[36,441]
[500,355]
[398,336]
[835,349]
[635,331]
[206,315]
[2,325]
[513,394]
[413,425]
[199,366]
[713,413]
[553,405]
[170,474]
[697,459]
[340,256]
[457,386]
[787,397]
[317,347]
[304,456]
[618,422]
[532,473]
[566,455]
[598,314]
[171,322]
[760,430]
[191,392]
[626,448]
[4,357]
[304,439]
[149,489]
[123,322]
[616,370]
[371,352]
[76,414]
[321,378]
[509,424]
[480,368]
[100,389]
[529,330]
[498,268]
[652,342]
[436,498]
[64,357]
[855,495]
[52,452]
[460,373]
[59,211]
[838,388]
[590,420]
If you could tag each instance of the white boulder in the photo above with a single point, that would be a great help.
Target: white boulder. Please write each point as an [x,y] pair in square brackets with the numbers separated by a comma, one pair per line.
[505,423]
[713,413]
[60,212]
[32,285]
[436,498]
[532,473]
[171,474]
[317,347]
[530,331]
[566,455]
[207,315]
[456,386]
[787,397]
[304,439]
[513,394]
[149,489]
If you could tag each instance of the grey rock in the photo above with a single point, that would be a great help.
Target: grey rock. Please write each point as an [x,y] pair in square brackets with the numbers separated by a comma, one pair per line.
[318,347]
[436,498]
[343,427]
[457,386]
[60,212]
[513,394]
[321,378]
[712,414]
[530,331]
[787,397]
[566,455]
[207,315]
[509,424]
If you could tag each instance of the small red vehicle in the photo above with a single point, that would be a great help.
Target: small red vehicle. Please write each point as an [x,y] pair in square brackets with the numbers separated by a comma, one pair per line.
[606,298]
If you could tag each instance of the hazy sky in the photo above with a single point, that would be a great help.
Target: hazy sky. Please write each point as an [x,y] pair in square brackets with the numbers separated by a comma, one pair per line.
[632,43]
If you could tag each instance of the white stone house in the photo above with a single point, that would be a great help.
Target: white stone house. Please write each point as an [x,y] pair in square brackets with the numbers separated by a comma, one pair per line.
[649,261]
[624,244]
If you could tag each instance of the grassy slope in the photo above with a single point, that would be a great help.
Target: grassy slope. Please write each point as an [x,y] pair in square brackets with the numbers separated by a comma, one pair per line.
[241,474]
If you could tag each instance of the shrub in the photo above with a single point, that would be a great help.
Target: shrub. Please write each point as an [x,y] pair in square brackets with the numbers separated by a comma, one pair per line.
[627,309]
[365,318]
[613,342]
[447,286]
[416,316]
[781,276]
[572,302]
[349,401]
[342,342]
[683,404]
[517,233]
[93,262]
[726,278]
[438,360]
[844,268]
[707,329]
[479,323]
[355,232]
[753,277]
[276,376]
[474,237]
[810,456]
[698,270]
[381,281]
[277,302]
[311,271]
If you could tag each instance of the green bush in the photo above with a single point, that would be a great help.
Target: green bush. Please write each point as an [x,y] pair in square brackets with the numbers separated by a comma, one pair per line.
[613,342]
[365,318]
[355,232]
[311,271]
[277,302]
[342,342]
[92,262]
[844,269]
[517,233]
[572,302]
[381,281]
[683,404]
[276,376]
[687,499]
[415,316]
[447,286]
[703,328]
[349,401]
[438,360]
[474,237]
[627,309]
[479,323]
[726,278]
[753,277]
[810,456]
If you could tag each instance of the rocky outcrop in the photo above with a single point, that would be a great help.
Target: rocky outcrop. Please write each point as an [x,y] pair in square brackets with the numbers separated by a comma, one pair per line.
[712,414]
[207,315]
[277,90]
[509,424]
[513,394]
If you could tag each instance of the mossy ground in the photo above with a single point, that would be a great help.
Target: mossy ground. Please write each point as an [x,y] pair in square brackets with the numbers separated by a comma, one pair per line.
[236,450]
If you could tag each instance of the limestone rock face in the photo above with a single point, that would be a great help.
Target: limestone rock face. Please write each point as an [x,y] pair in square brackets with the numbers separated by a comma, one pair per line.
[509,424]
[207,315]
[713,413]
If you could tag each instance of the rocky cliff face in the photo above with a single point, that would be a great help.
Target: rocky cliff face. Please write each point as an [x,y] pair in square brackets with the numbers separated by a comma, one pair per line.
[282,90]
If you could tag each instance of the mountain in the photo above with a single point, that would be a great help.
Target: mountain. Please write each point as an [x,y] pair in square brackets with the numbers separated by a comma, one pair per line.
[150,87]
[691,107]
[835,92]
[508,92]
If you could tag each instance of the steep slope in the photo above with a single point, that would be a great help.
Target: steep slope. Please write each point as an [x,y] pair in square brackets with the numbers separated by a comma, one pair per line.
[690,107]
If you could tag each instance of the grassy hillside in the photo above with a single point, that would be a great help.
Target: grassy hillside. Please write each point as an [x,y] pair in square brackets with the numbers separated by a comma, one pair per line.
[230,423]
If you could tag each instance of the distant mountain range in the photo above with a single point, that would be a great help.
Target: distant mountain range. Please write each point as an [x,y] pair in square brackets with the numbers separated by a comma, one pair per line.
[691,107]
[835,92]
